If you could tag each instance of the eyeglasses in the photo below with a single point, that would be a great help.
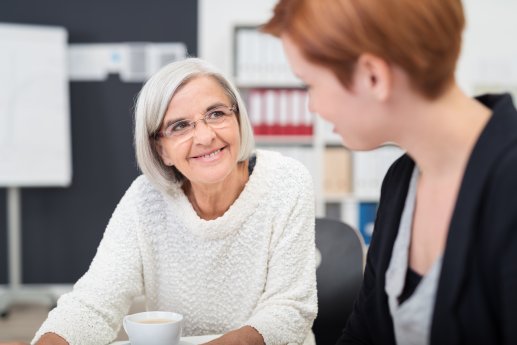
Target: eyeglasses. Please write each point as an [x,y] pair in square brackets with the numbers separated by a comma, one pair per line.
[216,117]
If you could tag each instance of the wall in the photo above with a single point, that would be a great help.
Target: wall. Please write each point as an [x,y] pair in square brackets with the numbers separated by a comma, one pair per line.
[217,18]
[489,56]
[61,227]
[487,51]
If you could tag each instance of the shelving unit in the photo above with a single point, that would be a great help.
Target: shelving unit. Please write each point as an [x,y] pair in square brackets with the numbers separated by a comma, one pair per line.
[276,100]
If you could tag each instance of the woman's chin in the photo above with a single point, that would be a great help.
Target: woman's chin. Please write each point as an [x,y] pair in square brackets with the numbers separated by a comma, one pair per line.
[212,177]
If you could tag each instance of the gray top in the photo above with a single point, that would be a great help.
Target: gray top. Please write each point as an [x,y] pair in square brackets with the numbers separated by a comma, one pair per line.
[412,318]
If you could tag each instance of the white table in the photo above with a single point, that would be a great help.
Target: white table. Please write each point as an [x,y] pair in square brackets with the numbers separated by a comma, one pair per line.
[184,340]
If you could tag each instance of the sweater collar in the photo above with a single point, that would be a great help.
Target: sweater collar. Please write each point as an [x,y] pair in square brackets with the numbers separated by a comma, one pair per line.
[233,219]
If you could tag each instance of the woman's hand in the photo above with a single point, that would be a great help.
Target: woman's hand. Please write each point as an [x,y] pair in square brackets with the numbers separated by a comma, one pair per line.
[51,339]
[246,335]
[46,339]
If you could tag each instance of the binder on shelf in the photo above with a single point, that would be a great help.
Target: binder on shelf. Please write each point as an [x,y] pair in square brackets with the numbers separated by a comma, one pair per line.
[337,178]
[280,112]
[307,118]
[255,105]
[284,112]
[367,212]
[259,58]
[270,112]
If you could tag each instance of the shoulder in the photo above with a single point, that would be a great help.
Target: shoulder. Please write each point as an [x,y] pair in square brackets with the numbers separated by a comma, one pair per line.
[503,181]
[143,197]
[507,164]
[141,186]
[497,217]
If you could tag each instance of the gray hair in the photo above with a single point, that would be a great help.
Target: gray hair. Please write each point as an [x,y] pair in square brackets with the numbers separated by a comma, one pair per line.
[152,103]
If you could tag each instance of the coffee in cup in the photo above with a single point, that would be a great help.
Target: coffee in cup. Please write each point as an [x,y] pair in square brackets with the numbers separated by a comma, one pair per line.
[153,328]
[156,321]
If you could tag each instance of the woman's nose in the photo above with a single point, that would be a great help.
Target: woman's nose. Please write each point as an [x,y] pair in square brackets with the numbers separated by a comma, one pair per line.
[203,133]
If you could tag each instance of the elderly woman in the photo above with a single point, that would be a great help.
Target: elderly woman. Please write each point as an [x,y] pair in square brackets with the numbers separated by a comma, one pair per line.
[442,264]
[212,229]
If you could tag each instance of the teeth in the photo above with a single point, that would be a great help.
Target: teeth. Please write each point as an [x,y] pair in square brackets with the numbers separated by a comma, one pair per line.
[212,154]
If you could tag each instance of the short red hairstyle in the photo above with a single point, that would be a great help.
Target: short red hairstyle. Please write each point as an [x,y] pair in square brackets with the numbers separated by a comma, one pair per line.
[423,37]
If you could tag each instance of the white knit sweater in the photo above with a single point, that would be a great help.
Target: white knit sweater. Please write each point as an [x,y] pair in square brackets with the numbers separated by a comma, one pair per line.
[254,265]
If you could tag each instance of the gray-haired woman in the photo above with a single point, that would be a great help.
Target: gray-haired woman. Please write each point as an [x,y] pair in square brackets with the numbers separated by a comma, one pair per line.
[213,229]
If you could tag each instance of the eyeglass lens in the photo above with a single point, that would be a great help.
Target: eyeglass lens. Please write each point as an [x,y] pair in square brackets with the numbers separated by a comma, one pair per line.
[216,118]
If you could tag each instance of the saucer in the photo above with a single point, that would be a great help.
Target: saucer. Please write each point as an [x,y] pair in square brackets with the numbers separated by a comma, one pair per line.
[184,340]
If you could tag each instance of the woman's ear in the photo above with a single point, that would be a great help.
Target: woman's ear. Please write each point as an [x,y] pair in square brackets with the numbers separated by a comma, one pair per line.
[374,76]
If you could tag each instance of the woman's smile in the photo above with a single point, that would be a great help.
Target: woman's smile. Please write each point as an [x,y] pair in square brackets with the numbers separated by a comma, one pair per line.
[209,156]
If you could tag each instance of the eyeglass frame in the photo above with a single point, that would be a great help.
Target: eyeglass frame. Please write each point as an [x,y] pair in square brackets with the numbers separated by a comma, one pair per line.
[192,124]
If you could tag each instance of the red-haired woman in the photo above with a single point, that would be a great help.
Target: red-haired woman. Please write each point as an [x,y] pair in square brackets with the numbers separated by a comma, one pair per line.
[442,265]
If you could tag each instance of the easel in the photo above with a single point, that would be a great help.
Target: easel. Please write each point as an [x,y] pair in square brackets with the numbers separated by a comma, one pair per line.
[16,293]
[25,79]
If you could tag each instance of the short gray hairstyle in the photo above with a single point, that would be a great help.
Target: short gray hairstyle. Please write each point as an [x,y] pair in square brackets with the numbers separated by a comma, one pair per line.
[152,103]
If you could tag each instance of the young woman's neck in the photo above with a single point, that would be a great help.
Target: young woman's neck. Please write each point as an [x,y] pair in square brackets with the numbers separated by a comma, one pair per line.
[440,134]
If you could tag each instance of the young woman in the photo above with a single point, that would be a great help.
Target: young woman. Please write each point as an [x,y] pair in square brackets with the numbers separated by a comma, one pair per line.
[442,265]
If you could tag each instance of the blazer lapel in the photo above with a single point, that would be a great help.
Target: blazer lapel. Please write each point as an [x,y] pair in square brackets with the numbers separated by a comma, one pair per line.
[388,225]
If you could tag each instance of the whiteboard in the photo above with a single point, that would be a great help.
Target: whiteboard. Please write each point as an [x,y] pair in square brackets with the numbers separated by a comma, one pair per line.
[35,148]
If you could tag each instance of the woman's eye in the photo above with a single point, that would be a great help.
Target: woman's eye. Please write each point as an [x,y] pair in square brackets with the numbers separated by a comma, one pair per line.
[179,126]
[216,114]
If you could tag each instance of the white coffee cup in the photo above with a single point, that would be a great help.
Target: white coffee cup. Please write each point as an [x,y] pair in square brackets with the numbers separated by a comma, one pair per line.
[153,328]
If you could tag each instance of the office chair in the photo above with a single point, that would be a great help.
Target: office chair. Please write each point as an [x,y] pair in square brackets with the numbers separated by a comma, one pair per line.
[338,277]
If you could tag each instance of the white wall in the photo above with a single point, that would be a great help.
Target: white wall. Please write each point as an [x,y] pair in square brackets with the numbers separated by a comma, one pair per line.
[217,19]
[489,52]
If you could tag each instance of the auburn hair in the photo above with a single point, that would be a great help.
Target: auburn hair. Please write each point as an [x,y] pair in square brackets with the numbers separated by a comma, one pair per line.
[423,37]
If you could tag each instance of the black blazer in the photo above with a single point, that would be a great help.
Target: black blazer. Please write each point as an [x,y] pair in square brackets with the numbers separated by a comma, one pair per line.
[476,301]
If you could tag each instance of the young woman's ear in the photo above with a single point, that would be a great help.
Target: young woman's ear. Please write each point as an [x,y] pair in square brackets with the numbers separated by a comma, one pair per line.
[374,76]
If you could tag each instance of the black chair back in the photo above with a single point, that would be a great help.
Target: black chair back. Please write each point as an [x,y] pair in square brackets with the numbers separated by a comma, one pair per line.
[338,277]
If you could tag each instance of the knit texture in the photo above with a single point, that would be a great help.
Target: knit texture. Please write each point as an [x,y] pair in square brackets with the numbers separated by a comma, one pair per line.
[254,265]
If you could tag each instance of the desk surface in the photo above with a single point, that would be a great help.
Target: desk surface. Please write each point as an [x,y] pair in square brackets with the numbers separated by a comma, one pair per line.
[184,340]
